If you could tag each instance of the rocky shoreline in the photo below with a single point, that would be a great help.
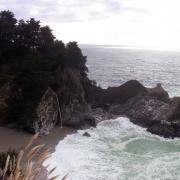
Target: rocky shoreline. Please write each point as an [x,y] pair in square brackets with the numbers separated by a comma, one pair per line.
[44,83]
[151,108]
[147,107]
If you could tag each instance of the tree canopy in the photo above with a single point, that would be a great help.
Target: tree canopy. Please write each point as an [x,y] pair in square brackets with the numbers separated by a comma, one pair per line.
[32,57]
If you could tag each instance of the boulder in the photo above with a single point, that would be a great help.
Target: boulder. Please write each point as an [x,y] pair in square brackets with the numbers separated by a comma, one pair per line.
[81,120]
[77,114]
[47,113]
[145,110]
[166,131]
[101,114]
[174,109]
[86,134]
[159,93]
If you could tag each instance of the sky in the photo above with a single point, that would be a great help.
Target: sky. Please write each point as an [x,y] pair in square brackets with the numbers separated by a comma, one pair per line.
[145,23]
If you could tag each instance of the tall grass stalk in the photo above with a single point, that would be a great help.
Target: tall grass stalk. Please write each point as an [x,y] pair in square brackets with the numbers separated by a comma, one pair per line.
[28,164]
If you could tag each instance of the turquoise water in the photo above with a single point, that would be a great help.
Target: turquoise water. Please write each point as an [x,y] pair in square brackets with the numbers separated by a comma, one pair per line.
[117,150]
[114,66]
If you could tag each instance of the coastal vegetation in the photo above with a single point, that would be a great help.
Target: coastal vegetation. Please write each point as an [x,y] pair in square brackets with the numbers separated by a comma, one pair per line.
[27,164]
[31,61]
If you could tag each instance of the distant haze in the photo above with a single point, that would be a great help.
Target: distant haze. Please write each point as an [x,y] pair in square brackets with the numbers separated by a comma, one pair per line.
[148,23]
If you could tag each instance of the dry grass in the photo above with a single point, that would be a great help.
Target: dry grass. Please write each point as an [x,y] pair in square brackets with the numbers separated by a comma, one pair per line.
[27,164]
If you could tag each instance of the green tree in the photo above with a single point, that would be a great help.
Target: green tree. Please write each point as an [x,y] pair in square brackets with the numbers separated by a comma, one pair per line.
[7,35]
[33,59]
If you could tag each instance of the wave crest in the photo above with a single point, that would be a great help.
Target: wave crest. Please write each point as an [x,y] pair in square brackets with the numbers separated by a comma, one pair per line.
[118,150]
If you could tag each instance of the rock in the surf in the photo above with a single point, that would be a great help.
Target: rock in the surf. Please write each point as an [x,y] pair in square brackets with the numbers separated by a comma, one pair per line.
[145,110]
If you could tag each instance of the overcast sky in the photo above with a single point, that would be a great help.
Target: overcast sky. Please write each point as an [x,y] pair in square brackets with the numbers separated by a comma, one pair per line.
[153,23]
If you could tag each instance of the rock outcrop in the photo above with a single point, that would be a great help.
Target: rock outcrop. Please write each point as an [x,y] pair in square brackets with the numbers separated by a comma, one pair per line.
[99,97]
[154,110]
[147,107]
[145,110]
[150,112]
[78,115]
[119,95]
[165,130]
[47,113]
[65,107]
[81,104]
[174,109]
[159,93]
[75,111]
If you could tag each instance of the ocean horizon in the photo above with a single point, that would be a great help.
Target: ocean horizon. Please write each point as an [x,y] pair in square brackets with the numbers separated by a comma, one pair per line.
[114,66]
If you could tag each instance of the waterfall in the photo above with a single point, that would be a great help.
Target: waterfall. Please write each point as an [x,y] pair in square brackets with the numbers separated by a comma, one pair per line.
[59,110]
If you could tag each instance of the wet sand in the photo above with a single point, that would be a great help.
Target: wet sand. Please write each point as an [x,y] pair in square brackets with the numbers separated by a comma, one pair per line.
[13,139]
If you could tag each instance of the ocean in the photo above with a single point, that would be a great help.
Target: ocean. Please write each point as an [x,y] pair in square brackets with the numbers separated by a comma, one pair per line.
[113,66]
[118,149]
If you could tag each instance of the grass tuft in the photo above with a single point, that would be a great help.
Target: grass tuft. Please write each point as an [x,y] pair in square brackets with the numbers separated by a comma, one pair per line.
[27,164]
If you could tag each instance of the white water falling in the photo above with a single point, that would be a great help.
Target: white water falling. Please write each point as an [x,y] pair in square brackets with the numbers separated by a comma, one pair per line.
[59,110]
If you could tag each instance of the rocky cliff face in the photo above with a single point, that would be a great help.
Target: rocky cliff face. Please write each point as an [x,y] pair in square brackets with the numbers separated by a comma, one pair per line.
[69,105]
[47,113]
[81,104]
[65,107]
[75,110]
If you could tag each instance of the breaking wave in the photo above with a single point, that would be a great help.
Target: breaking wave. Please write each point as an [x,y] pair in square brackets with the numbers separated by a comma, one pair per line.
[117,150]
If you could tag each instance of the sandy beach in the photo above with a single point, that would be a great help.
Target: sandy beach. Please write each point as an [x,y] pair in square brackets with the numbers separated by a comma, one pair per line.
[10,138]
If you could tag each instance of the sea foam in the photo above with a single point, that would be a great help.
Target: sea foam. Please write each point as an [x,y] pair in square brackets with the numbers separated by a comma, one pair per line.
[117,150]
